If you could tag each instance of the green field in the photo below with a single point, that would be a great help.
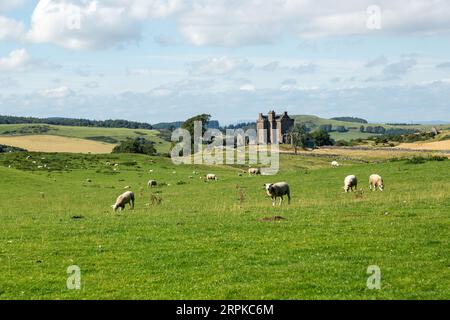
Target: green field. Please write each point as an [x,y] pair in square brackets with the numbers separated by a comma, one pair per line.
[207,240]
[94,133]
[354,128]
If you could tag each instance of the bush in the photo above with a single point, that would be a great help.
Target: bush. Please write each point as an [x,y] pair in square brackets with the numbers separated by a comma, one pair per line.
[416,160]
[137,145]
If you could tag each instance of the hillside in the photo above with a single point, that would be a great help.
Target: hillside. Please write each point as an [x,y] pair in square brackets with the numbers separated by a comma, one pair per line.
[354,132]
[111,136]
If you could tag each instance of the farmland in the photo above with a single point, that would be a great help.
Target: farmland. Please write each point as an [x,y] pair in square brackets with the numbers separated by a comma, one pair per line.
[106,135]
[216,240]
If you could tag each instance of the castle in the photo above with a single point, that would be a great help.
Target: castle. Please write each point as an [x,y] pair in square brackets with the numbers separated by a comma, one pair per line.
[270,123]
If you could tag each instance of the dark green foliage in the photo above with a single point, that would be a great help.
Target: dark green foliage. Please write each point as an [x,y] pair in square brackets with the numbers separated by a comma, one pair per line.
[322,138]
[190,123]
[6,149]
[29,130]
[76,122]
[103,139]
[341,129]
[350,119]
[136,145]
[326,127]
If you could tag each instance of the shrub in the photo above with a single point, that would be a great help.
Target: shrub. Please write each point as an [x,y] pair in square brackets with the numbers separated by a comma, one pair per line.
[137,145]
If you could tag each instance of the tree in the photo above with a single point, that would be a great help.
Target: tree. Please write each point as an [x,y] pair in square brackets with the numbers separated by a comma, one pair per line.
[299,137]
[136,145]
[189,124]
[322,138]
[326,127]
[341,129]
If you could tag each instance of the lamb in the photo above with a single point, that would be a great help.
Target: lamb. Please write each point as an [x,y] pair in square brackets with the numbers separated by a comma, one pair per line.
[350,183]
[335,164]
[254,171]
[122,200]
[376,182]
[211,177]
[278,190]
[152,183]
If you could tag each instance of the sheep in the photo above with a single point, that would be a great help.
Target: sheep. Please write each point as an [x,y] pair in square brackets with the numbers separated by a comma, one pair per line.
[335,164]
[254,171]
[376,182]
[127,187]
[350,183]
[152,183]
[211,177]
[122,200]
[278,190]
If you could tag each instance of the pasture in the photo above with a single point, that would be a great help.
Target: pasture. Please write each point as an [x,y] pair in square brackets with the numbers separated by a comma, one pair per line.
[188,239]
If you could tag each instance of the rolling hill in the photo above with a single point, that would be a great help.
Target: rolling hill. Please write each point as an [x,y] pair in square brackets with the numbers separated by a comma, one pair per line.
[354,132]
[108,137]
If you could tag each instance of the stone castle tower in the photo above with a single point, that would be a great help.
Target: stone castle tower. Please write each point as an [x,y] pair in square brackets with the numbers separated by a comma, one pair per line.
[270,123]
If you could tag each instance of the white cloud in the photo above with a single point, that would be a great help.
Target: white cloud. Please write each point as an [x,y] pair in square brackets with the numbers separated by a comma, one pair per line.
[17,60]
[250,22]
[249,87]
[6,5]
[57,93]
[219,66]
[82,26]
[11,29]
[90,24]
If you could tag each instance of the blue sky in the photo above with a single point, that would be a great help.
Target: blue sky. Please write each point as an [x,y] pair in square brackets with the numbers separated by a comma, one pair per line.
[166,60]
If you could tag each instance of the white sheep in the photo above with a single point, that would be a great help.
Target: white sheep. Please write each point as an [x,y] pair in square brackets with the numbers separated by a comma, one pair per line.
[335,164]
[278,190]
[152,183]
[254,171]
[122,200]
[350,183]
[211,177]
[376,182]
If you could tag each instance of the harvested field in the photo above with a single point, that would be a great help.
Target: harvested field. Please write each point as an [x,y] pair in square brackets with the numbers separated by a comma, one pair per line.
[438,145]
[47,143]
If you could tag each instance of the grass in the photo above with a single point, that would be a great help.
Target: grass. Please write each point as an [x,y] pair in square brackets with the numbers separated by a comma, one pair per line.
[206,240]
[106,134]
[355,133]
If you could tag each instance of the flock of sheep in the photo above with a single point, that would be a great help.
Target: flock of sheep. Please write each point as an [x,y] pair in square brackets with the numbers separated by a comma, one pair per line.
[273,190]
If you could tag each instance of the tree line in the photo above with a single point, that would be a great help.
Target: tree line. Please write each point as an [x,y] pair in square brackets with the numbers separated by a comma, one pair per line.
[76,122]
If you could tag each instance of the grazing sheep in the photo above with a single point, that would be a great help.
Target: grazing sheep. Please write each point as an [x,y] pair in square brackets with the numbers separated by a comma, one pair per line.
[211,177]
[376,182]
[122,200]
[254,171]
[350,183]
[335,164]
[278,190]
[127,187]
[152,183]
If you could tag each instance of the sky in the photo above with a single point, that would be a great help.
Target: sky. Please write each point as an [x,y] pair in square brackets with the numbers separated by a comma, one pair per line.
[166,60]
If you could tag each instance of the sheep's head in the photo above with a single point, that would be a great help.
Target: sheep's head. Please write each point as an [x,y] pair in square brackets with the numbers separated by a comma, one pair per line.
[268,187]
[382,185]
[115,207]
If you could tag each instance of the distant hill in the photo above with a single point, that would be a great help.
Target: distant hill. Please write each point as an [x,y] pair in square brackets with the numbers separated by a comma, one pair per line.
[353,129]
[76,122]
